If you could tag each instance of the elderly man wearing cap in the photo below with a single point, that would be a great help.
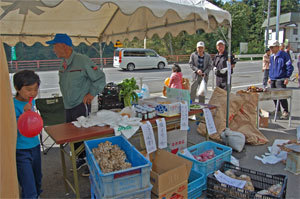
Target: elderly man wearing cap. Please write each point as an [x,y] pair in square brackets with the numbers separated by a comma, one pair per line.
[280,70]
[80,80]
[200,63]
[220,65]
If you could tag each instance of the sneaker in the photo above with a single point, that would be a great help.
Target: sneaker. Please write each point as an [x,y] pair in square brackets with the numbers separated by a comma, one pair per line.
[273,113]
[285,115]
[86,172]
[79,164]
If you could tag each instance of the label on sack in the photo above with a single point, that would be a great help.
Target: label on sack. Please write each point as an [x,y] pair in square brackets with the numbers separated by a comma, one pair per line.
[210,124]
[162,133]
[149,137]
[184,120]
[222,178]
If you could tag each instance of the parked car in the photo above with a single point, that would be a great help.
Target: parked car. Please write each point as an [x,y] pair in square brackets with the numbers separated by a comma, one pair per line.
[138,58]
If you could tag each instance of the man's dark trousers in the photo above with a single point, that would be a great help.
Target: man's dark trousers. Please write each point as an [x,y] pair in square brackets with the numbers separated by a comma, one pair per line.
[72,115]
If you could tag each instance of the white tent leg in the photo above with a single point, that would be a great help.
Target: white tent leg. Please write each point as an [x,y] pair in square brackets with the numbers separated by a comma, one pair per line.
[229,77]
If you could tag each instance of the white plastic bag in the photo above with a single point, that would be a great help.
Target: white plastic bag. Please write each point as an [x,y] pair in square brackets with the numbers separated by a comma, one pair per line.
[235,140]
[130,111]
[202,88]
[145,91]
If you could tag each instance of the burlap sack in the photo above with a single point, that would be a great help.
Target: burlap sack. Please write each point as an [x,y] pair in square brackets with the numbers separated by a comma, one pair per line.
[242,116]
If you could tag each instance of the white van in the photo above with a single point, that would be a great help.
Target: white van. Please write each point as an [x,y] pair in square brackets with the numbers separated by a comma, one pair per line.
[138,58]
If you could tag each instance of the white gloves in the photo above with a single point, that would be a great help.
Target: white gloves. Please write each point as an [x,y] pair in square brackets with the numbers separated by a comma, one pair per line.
[223,70]
[215,69]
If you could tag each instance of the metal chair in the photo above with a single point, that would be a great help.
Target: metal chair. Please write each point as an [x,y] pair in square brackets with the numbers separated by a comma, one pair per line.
[52,111]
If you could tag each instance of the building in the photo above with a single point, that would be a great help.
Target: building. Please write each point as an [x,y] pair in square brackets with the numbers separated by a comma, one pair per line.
[289,29]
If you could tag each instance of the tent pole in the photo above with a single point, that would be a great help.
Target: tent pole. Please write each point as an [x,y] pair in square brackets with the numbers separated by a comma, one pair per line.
[101,53]
[228,77]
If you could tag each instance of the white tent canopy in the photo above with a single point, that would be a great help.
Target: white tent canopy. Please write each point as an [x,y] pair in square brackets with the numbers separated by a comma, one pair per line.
[91,21]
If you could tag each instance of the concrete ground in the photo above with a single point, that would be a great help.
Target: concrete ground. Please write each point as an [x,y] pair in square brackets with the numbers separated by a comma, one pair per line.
[53,186]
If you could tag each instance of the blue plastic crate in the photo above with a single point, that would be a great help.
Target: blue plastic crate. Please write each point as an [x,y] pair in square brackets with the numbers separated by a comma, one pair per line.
[196,184]
[139,194]
[119,182]
[222,154]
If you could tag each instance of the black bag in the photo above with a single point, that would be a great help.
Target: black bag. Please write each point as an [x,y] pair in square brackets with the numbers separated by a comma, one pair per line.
[109,98]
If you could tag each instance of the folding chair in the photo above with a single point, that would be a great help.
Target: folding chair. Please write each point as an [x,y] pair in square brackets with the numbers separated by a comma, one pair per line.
[52,111]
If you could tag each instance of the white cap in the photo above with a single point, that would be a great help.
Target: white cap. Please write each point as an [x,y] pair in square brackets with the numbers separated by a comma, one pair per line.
[200,44]
[274,43]
[220,42]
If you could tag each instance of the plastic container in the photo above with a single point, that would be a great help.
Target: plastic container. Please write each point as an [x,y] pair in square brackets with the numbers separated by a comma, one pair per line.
[196,183]
[222,154]
[260,181]
[140,194]
[119,182]
[293,163]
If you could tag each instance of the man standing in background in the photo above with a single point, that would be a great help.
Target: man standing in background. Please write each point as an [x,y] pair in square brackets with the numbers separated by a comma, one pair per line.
[220,65]
[279,73]
[200,63]
[265,67]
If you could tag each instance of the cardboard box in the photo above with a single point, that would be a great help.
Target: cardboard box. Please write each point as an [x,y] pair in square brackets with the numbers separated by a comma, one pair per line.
[263,119]
[169,175]
[177,140]
[178,192]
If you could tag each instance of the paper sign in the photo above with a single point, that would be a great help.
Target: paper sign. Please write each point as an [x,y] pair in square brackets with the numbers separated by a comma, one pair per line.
[228,72]
[162,133]
[187,153]
[210,124]
[222,178]
[184,120]
[149,137]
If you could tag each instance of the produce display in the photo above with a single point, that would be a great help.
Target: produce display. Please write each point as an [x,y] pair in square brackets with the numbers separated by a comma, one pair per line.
[272,190]
[254,89]
[110,157]
[207,155]
[127,91]
[196,106]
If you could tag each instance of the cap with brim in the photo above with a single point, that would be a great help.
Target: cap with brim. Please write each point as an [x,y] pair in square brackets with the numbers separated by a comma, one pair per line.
[61,38]
[273,44]
[220,42]
[200,44]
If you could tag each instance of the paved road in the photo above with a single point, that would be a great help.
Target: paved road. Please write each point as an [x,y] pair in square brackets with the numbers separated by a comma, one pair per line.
[245,74]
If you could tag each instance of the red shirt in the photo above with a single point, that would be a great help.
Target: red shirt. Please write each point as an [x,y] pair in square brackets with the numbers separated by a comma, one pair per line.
[176,80]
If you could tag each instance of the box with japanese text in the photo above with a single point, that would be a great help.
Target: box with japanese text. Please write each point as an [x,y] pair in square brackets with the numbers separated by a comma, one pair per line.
[177,140]
[169,175]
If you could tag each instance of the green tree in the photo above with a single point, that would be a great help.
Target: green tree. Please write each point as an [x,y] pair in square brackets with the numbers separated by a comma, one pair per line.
[241,16]
[285,7]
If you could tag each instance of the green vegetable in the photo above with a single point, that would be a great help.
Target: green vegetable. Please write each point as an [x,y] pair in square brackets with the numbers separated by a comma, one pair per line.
[127,92]
[195,106]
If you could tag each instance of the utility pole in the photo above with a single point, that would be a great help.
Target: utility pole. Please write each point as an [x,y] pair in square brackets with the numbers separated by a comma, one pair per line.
[277,19]
[268,18]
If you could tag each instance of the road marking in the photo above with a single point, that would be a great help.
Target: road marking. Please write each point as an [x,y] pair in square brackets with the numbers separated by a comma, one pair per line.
[256,71]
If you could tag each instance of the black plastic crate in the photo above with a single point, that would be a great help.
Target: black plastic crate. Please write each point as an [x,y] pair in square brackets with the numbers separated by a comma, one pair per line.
[260,181]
